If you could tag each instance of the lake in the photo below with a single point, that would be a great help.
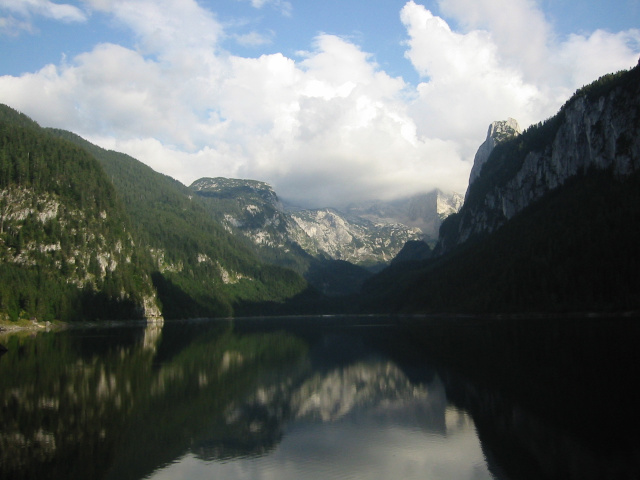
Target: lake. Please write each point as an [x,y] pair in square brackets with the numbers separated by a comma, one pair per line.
[324,398]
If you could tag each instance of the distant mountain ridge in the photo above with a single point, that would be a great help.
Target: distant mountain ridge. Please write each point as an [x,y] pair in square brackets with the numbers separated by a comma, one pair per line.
[425,211]
[330,249]
[254,210]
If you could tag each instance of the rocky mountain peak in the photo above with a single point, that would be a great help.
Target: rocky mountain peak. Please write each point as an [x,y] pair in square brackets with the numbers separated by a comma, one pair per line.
[595,130]
[227,188]
[448,204]
[498,132]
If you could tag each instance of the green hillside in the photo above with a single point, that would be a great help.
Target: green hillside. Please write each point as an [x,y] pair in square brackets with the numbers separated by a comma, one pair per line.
[87,233]
[66,249]
[199,268]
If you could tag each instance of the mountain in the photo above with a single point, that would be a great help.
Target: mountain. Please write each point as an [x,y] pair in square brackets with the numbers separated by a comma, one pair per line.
[67,248]
[357,240]
[551,223]
[253,209]
[249,209]
[87,233]
[425,211]
[597,129]
[412,251]
[199,269]
[333,251]
[498,132]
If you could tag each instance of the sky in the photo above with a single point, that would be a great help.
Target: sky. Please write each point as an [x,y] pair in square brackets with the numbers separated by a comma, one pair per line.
[330,102]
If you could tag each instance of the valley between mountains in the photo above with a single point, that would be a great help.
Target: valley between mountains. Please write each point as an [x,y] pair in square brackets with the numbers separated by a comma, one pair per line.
[550,223]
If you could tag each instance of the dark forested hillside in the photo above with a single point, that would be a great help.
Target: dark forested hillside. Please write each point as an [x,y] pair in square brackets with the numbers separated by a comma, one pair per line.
[575,250]
[66,250]
[551,224]
[87,233]
[200,269]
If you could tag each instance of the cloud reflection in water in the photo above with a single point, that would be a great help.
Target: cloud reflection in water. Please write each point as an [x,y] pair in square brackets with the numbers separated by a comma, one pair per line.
[364,420]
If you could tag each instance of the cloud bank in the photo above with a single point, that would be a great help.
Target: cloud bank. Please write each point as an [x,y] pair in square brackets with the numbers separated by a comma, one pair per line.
[328,126]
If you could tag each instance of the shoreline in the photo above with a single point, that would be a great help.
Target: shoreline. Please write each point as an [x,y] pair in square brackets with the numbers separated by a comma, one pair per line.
[8,327]
[30,326]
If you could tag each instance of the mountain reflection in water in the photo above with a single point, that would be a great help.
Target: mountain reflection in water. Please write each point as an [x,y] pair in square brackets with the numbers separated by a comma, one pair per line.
[323,398]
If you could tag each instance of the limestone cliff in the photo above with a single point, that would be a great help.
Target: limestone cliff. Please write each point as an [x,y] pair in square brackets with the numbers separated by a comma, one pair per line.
[598,128]
[498,132]
[425,211]
[252,209]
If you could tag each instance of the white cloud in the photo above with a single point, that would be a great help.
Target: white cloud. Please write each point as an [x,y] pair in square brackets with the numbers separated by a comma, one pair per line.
[505,61]
[517,27]
[466,85]
[254,39]
[581,59]
[62,12]
[328,126]
[282,5]
[12,26]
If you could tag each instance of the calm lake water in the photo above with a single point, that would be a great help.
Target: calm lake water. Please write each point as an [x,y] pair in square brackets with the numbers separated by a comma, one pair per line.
[324,398]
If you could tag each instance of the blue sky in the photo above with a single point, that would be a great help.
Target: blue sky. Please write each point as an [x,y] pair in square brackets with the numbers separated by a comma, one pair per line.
[331,101]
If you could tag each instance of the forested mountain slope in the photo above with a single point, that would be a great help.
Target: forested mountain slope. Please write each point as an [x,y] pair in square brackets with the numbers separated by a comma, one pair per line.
[199,268]
[66,244]
[87,233]
[552,223]
[597,128]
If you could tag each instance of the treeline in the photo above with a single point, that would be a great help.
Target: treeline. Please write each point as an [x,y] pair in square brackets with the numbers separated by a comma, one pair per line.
[190,251]
[60,221]
[87,233]
[575,250]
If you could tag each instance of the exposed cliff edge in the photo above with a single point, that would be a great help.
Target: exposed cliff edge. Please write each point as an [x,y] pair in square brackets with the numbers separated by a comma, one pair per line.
[551,223]
[598,128]
[499,131]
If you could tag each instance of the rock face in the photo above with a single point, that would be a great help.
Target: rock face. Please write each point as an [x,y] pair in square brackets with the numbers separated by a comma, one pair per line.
[498,132]
[597,129]
[355,240]
[425,211]
[253,209]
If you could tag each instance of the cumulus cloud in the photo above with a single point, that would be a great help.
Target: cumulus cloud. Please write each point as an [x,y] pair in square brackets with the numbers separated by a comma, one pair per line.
[503,61]
[327,126]
[466,83]
[517,28]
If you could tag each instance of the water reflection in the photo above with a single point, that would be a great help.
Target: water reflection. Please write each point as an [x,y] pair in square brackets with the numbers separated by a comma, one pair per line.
[316,398]
[361,420]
